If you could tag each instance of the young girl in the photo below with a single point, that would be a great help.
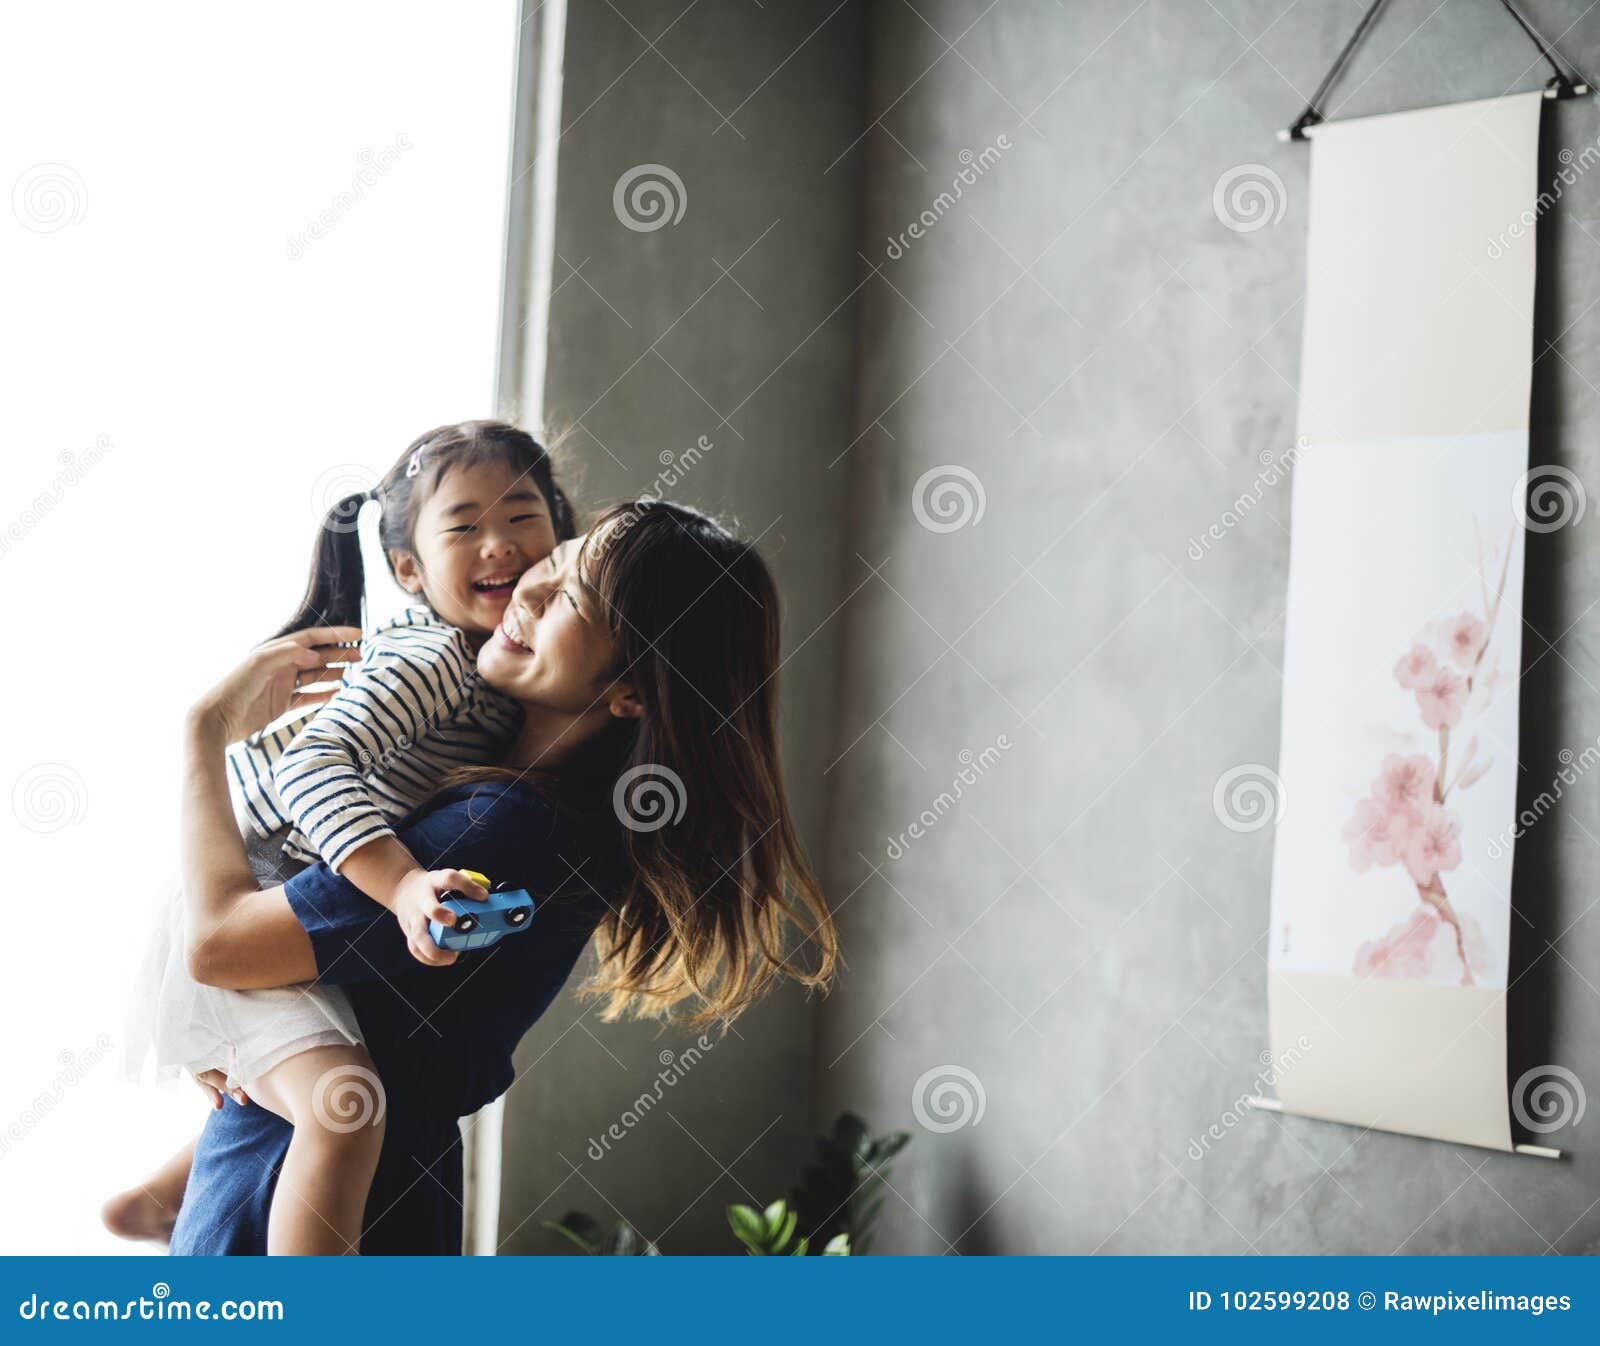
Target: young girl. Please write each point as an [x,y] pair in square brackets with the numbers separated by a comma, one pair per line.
[465,511]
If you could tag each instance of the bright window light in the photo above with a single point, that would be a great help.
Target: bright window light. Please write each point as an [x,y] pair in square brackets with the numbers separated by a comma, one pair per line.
[234,289]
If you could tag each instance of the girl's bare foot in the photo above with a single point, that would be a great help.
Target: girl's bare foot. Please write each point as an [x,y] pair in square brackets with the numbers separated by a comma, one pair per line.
[149,1211]
[139,1214]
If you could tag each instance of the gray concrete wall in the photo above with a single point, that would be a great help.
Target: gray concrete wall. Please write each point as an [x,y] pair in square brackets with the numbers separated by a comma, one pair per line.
[1081,334]
[1081,933]
[653,345]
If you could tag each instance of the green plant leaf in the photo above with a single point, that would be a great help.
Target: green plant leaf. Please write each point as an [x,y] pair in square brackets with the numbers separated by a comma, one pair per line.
[829,1148]
[885,1148]
[579,1229]
[850,1133]
[837,1246]
[749,1228]
[841,1189]
[785,1230]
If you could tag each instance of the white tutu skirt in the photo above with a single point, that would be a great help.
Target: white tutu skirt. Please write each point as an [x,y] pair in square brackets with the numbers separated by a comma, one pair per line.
[185,1026]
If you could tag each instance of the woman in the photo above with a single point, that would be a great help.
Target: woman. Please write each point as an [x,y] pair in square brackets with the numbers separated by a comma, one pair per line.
[644,656]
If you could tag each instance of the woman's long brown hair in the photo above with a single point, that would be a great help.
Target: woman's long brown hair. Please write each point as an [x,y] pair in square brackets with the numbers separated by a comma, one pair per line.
[719,902]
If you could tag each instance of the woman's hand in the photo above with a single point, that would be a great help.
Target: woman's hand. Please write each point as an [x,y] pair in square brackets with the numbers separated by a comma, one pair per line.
[416,901]
[270,680]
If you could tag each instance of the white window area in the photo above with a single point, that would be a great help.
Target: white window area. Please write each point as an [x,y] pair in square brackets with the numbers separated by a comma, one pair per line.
[247,254]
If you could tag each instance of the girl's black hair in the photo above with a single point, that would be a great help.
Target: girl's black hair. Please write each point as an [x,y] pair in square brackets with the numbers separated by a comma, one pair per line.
[337,583]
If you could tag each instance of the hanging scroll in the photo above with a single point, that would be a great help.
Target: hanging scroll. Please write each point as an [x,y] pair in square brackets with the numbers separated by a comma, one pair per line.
[1391,892]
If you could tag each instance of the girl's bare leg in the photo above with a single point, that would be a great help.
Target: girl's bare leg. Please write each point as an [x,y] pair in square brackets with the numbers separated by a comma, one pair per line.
[148,1212]
[334,1100]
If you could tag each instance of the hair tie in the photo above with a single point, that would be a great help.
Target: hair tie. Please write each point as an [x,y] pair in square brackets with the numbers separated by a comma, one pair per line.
[415,465]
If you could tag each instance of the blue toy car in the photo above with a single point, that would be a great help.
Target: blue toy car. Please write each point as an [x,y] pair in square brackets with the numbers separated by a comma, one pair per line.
[479,925]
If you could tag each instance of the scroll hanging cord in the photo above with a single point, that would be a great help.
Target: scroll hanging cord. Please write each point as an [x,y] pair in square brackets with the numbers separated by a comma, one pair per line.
[1563,84]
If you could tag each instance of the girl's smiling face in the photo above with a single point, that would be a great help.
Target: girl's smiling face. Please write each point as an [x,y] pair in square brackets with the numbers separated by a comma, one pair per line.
[475,537]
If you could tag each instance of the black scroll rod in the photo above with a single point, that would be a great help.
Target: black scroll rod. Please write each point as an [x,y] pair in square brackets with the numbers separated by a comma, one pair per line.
[1559,85]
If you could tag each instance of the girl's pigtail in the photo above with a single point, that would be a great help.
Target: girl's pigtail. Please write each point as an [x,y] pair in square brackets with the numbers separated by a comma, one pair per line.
[337,583]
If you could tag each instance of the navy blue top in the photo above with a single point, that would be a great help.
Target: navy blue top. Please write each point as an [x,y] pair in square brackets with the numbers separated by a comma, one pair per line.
[441,1038]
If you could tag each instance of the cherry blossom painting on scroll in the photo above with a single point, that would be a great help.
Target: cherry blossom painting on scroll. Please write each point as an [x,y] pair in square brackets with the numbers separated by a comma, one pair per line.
[1408,820]
[1399,757]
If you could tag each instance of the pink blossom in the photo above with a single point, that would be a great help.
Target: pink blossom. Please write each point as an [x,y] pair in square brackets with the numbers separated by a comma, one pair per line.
[1406,782]
[1416,668]
[1441,699]
[1415,950]
[1433,845]
[1464,640]
[1423,948]
[1379,833]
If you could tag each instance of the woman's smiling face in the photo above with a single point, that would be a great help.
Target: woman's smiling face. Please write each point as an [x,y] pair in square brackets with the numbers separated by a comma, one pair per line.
[475,537]
[553,648]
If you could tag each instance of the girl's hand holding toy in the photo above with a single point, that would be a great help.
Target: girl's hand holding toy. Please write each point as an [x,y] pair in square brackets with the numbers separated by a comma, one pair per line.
[418,900]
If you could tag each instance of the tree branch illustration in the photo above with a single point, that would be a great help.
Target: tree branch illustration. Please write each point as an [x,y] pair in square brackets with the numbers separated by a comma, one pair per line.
[1433,893]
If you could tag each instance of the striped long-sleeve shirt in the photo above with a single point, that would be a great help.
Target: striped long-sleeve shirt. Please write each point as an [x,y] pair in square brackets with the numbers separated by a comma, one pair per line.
[414,708]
